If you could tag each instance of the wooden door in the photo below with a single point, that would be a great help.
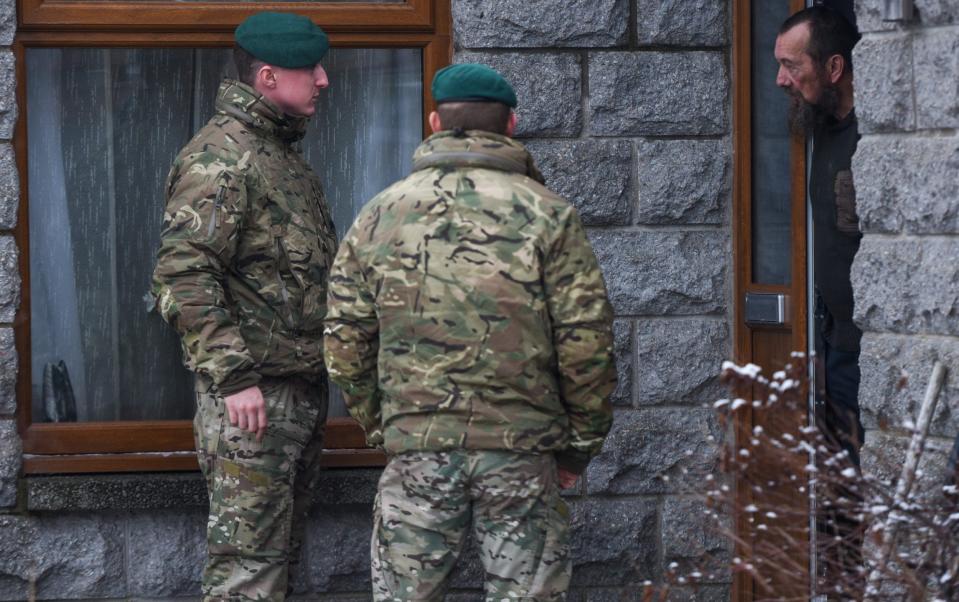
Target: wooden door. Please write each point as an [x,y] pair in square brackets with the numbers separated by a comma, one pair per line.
[771,302]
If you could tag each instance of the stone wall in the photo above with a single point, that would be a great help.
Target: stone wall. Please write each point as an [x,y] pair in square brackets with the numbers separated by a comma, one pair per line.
[906,275]
[626,106]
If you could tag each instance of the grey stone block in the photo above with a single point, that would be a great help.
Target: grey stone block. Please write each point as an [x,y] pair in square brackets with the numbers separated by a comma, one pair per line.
[613,541]
[9,188]
[655,451]
[468,572]
[8,21]
[548,89]
[905,183]
[116,492]
[705,593]
[922,300]
[683,181]
[474,596]
[8,99]
[884,95]
[149,491]
[937,12]
[594,175]
[347,486]
[545,23]
[679,360]
[338,548]
[660,273]
[61,557]
[10,453]
[682,22]
[9,279]
[167,551]
[623,343]
[937,78]
[8,372]
[696,540]
[895,373]
[927,12]
[884,453]
[657,93]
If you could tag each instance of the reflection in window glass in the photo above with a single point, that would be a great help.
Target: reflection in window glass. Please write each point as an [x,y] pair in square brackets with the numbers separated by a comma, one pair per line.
[103,126]
[771,169]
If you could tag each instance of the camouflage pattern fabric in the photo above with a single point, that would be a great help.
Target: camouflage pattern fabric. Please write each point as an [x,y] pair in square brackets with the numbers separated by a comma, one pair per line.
[426,503]
[246,246]
[260,492]
[467,310]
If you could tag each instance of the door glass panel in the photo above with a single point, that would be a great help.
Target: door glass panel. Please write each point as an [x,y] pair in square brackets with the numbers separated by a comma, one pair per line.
[771,169]
[103,126]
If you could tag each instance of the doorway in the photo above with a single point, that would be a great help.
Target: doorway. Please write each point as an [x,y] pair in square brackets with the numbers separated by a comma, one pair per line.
[770,254]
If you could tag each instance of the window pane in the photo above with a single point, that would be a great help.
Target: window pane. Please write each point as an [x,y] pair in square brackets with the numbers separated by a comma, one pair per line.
[771,168]
[103,127]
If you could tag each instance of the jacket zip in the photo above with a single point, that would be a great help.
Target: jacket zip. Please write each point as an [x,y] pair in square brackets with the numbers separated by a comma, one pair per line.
[217,204]
[284,291]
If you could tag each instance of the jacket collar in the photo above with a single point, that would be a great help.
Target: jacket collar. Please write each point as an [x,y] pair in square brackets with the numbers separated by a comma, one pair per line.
[475,148]
[245,104]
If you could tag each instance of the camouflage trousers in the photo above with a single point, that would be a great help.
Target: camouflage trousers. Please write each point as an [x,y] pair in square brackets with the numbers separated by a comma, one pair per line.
[427,502]
[260,492]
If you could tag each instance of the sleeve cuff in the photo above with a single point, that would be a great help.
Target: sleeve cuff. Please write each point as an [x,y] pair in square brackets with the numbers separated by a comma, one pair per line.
[374,438]
[238,381]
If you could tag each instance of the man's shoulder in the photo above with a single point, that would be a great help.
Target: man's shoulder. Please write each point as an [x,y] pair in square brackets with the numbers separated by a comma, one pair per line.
[221,145]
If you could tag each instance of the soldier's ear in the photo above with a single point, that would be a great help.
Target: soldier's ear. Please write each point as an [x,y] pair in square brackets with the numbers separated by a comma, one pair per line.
[265,78]
[435,123]
[511,124]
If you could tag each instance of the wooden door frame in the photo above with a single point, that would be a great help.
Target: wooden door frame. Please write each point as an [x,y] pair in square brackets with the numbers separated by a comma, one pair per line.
[743,587]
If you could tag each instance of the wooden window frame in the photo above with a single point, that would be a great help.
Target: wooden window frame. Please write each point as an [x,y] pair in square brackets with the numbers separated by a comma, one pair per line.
[167,445]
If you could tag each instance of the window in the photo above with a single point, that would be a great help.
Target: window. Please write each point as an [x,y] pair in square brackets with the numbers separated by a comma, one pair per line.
[105,107]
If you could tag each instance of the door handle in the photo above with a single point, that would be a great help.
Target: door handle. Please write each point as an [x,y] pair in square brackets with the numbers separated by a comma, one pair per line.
[766,309]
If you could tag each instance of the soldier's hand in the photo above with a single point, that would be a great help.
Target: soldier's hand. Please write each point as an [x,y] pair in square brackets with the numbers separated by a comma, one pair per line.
[247,411]
[566,478]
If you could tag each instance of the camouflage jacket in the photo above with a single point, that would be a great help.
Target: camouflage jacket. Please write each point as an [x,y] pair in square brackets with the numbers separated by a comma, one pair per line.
[246,246]
[467,310]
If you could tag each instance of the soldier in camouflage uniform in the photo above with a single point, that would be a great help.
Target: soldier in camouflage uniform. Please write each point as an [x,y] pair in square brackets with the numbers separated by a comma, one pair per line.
[241,274]
[469,327]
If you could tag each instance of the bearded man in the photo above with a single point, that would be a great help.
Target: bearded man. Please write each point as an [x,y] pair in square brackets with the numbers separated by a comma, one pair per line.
[814,52]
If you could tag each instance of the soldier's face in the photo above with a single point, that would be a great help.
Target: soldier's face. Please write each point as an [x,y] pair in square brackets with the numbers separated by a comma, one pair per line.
[297,90]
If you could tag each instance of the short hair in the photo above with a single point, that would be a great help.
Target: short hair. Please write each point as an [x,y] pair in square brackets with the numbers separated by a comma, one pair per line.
[246,65]
[829,33]
[469,115]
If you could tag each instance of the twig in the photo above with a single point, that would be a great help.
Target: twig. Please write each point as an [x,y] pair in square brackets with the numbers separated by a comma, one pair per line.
[904,487]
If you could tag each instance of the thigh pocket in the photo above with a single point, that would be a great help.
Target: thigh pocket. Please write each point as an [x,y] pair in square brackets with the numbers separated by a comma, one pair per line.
[551,575]
[290,425]
[207,423]
[249,512]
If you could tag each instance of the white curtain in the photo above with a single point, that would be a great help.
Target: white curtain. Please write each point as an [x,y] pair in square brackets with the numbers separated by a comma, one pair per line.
[103,128]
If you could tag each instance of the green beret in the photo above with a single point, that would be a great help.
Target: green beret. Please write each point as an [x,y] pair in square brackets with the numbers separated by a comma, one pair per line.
[472,82]
[282,39]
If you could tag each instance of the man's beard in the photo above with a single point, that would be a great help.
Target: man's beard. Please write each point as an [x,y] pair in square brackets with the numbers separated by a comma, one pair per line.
[805,117]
